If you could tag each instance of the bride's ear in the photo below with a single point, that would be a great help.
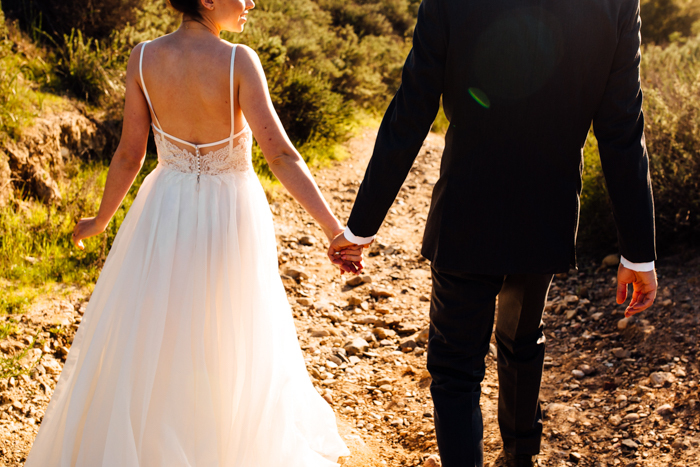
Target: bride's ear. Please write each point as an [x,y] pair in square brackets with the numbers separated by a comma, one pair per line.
[207,4]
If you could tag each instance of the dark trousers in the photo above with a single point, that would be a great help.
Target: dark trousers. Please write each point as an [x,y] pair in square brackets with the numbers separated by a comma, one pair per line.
[461,321]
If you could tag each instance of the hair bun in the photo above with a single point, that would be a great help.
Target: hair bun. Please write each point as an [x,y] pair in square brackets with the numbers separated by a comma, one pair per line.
[187,7]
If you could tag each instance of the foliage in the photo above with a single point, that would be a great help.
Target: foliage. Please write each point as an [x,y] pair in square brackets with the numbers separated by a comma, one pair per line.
[22,72]
[669,20]
[94,18]
[671,84]
[35,243]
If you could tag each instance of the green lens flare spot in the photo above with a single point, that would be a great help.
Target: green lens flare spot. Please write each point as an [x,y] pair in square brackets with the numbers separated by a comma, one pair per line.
[480,97]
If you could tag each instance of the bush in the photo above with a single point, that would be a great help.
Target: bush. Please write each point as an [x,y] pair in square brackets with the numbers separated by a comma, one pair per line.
[671,82]
[669,20]
[94,18]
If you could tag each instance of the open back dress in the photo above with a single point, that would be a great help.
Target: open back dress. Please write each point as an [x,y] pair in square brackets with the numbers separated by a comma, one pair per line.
[187,354]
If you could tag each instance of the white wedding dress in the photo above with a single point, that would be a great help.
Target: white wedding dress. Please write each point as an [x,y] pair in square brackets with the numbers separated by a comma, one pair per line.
[187,354]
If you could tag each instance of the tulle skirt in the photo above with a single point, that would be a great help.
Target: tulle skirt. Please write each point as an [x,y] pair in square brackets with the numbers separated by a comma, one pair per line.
[187,353]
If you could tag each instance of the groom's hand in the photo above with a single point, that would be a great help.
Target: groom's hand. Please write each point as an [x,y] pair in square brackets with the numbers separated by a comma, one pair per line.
[644,285]
[346,255]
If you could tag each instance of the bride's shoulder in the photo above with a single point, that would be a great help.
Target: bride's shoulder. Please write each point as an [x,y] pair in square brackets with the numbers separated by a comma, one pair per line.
[247,60]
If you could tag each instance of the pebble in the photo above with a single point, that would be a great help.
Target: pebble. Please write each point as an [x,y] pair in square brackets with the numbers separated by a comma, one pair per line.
[51,365]
[578,374]
[571,299]
[586,369]
[623,323]
[408,345]
[631,417]
[307,240]
[630,444]
[354,281]
[611,261]
[621,353]
[381,293]
[659,378]
[304,301]
[296,273]
[357,346]
[665,410]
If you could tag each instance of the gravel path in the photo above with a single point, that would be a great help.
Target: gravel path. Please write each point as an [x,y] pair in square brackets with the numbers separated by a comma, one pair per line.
[615,392]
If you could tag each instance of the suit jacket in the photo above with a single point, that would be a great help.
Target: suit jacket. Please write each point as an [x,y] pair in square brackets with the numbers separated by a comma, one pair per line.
[521,83]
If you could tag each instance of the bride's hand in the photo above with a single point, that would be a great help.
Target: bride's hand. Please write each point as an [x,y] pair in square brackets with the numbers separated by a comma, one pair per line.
[86,227]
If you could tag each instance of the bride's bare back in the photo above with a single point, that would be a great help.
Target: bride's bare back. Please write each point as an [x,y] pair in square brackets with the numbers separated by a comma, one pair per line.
[188,83]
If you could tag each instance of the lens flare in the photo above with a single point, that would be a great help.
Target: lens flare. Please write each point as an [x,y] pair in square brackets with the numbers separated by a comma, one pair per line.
[480,97]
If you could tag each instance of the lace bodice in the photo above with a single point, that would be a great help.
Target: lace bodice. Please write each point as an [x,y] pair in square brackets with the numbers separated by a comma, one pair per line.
[234,157]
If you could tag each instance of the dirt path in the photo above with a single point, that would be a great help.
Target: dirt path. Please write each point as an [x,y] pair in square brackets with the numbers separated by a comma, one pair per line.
[615,392]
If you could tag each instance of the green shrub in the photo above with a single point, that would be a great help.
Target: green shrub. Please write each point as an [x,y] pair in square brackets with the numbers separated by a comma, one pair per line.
[94,18]
[669,20]
[671,83]
[35,239]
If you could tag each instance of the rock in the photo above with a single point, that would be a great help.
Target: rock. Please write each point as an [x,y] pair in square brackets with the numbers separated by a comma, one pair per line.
[52,366]
[424,298]
[384,333]
[586,369]
[382,310]
[354,301]
[621,353]
[629,444]
[631,418]
[597,316]
[575,457]
[408,345]
[570,314]
[422,336]
[296,273]
[319,332]
[367,320]
[571,299]
[31,358]
[354,281]
[357,346]
[610,261]
[665,410]
[389,321]
[659,378]
[307,240]
[615,420]
[305,301]
[381,293]
[578,374]
[621,398]
[623,323]
[493,350]
[432,461]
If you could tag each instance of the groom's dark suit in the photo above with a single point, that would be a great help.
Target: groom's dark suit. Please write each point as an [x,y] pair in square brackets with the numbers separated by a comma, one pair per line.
[521,83]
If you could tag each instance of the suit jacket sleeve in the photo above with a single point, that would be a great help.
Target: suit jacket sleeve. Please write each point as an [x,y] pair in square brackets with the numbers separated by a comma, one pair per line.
[406,122]
[619,128]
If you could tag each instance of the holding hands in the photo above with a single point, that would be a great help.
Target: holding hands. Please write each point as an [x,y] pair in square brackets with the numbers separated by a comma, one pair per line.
[346,255]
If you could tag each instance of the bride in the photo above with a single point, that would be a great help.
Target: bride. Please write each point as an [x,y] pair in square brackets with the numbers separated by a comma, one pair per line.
[187,353]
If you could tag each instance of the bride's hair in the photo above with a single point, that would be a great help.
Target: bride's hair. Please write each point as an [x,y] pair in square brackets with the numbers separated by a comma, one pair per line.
[187,7]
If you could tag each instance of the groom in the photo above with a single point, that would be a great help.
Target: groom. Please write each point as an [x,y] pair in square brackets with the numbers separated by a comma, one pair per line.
[521,83]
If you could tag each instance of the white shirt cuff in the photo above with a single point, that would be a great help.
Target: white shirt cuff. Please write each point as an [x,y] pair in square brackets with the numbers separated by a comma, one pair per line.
[355,239]
[639,267]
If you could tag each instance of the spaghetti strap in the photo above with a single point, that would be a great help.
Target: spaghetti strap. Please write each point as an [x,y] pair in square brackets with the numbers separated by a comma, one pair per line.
[233,59]
[143,85]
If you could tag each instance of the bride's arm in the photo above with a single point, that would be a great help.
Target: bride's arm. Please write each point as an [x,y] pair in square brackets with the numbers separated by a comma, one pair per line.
[283,159]
[128,158]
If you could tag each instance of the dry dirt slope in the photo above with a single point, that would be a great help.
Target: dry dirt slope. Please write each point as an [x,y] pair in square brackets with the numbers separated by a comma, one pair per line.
[615,393]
